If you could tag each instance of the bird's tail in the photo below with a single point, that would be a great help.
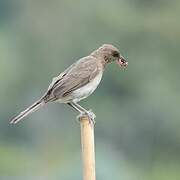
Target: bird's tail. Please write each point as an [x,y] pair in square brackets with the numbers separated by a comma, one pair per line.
[38,104]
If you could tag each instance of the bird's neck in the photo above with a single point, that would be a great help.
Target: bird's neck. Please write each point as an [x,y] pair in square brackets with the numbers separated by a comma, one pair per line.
[100,58]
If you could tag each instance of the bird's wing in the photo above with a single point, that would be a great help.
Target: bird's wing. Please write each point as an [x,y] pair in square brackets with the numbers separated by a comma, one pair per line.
[76,77]
[58,78]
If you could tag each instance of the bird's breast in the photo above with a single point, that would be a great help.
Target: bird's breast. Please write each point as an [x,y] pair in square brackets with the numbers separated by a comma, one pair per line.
[88,89]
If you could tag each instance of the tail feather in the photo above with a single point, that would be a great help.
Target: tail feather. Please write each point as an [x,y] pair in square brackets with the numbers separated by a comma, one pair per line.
[28,111]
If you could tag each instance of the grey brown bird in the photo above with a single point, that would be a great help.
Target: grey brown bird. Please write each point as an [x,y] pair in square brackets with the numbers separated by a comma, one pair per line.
[78,81]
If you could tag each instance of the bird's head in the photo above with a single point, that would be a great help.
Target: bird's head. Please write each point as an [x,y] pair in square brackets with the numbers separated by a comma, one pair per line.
[109,53]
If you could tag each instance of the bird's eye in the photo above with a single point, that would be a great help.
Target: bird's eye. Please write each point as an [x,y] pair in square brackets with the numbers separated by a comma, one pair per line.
[115,54]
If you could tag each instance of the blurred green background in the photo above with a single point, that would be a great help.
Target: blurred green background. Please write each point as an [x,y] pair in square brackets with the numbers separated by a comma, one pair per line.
[137,129]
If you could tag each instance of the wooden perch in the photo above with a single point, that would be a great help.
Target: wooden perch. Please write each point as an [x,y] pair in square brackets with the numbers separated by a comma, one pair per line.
[88,153]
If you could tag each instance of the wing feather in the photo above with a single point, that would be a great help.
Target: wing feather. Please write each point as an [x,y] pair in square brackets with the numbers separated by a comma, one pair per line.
[77,77]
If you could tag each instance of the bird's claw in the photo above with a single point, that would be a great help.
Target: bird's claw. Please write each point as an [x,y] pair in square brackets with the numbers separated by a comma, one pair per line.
[90,114]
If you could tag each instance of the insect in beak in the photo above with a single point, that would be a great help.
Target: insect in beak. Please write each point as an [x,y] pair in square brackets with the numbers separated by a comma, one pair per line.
[122,62]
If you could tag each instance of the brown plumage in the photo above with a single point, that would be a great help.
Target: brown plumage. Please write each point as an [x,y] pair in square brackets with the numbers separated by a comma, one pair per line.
[78,81]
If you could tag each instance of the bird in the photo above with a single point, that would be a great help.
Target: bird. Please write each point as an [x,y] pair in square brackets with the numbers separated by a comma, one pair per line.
[77,82]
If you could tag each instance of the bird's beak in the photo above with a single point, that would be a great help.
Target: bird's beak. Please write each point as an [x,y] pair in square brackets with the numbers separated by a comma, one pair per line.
[122,62]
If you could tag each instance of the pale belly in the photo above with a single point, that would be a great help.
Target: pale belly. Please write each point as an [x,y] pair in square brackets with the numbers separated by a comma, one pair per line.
[86,90]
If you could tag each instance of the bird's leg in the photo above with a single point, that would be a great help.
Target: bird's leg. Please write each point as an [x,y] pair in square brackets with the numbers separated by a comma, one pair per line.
[83,111]
[74,107]
[91,115]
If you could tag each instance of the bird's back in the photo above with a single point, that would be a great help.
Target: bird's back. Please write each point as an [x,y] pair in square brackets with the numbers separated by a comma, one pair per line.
[75,77]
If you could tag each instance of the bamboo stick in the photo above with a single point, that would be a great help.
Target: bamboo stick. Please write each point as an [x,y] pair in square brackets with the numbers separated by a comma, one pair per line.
[88,153]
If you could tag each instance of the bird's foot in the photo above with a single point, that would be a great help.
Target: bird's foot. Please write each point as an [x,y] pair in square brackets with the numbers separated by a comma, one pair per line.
[90,114]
